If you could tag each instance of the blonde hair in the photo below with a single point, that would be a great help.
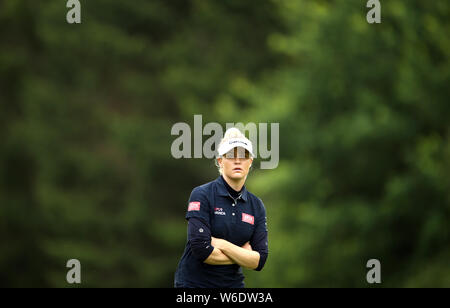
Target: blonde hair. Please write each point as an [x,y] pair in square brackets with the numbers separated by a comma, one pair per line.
[231,133]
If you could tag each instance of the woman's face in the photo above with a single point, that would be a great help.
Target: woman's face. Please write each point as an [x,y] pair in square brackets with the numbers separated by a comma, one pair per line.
[236,163]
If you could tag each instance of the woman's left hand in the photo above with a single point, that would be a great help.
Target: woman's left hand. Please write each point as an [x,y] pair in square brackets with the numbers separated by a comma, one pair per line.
[218,242]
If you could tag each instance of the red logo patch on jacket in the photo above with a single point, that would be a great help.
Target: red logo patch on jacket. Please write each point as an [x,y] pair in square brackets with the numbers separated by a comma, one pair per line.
[248,218]
[194,206]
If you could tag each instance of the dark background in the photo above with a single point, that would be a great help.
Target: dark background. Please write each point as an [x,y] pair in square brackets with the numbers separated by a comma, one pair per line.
[86,112]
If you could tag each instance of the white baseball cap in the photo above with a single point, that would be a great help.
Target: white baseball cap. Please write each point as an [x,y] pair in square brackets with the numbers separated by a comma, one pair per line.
[235,142]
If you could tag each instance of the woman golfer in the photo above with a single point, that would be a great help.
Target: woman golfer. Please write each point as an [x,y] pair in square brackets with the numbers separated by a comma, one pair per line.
[226,223]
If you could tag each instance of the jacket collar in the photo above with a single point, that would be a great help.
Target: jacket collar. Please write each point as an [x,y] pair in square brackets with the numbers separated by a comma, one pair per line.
[222,190]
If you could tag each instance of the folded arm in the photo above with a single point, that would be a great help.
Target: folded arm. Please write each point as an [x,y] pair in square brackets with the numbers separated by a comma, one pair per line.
[243,256]
[246,256]
[199,235]
[216,251]
[217,257]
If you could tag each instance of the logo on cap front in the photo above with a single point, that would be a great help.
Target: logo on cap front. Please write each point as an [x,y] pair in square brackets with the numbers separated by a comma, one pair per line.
[237,141]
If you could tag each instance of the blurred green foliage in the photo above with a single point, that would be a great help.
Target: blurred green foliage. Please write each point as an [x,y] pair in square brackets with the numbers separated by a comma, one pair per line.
[86,113]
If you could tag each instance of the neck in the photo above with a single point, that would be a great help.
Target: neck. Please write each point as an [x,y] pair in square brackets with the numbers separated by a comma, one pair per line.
[236,184]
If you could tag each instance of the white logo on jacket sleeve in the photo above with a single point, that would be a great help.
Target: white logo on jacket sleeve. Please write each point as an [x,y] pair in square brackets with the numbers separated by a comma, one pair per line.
[248,218]
[194,206]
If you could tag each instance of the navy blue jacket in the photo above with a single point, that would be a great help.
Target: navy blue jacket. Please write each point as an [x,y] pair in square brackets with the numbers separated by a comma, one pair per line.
[213,211]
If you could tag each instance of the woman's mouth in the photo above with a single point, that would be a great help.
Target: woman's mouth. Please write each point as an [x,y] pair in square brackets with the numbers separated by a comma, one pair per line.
[237,170]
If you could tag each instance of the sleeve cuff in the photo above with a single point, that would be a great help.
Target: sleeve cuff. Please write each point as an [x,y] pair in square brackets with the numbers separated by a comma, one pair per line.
[207,252]
[262,261]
